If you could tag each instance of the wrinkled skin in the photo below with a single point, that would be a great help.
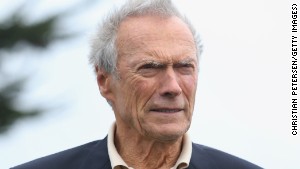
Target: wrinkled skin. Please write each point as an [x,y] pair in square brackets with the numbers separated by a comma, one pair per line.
[154,94]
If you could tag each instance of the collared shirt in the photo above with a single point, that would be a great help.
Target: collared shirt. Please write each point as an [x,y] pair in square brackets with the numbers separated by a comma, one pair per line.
[118,163]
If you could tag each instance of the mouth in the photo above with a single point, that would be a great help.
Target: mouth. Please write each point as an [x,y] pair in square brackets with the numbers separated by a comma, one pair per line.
[166,110]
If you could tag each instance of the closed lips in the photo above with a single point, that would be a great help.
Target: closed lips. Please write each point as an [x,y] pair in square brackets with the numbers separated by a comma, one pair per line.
[166,110]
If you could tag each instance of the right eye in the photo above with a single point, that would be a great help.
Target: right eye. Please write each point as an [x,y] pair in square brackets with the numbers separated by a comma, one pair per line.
[149,69]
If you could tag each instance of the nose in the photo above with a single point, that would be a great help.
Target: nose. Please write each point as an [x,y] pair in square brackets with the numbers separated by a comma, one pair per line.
[169,84]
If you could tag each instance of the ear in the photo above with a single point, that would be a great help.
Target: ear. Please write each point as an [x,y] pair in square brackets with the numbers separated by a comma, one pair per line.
[104,83]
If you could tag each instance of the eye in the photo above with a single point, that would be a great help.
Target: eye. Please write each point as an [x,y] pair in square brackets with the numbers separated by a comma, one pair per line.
[185,68]
[150,69]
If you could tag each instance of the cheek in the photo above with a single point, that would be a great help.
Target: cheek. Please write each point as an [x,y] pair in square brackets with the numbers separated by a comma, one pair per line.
[189,87]
[143,90]
[138,92]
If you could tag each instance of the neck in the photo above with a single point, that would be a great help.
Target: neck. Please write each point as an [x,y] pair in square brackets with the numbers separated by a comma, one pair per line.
[141,152]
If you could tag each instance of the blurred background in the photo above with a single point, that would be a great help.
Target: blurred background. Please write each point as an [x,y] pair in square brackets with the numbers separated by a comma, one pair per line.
[49,100]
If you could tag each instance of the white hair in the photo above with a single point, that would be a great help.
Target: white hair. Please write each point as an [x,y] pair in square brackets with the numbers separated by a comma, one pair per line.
[103,49]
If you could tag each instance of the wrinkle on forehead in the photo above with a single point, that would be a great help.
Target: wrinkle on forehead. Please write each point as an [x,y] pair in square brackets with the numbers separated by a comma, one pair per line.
[166,40]
[134,32]
[157,47]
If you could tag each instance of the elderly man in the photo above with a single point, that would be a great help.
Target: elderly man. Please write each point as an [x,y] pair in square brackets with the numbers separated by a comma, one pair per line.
[146,58]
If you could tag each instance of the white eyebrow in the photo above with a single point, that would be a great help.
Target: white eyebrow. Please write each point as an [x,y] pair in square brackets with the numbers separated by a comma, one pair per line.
[187,60]
[160,64]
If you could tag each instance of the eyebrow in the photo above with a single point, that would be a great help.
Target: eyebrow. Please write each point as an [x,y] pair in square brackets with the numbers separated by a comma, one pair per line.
[152,64]
[186,61]
[158,64]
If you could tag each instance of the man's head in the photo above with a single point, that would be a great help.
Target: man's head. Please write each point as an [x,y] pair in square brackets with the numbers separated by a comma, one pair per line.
[146,59]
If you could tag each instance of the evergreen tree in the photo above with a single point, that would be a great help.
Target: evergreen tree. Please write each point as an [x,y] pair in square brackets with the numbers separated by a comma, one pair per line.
[14,31]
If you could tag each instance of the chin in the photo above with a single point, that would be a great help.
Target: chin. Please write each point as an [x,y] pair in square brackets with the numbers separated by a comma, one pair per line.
[167,132]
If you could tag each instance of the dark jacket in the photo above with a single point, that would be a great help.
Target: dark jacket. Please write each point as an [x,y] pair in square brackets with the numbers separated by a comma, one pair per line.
[94,155]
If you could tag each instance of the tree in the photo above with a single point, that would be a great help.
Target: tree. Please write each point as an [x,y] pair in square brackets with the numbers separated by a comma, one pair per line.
[13,31]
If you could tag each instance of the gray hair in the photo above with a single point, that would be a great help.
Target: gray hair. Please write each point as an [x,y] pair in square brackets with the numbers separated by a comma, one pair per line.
[103,49]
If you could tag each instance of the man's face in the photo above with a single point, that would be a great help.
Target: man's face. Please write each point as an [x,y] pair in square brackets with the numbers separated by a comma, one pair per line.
[154,94]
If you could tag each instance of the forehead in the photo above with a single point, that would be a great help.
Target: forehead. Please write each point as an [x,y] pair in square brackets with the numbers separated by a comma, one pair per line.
[154,35]
[152,23]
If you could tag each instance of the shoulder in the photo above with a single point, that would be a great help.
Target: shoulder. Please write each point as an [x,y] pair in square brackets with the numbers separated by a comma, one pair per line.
[75,158]
[208,157]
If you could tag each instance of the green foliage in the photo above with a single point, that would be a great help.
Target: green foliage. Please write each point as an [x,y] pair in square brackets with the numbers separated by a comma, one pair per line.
[8,109]
[39,34]
[12,32]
